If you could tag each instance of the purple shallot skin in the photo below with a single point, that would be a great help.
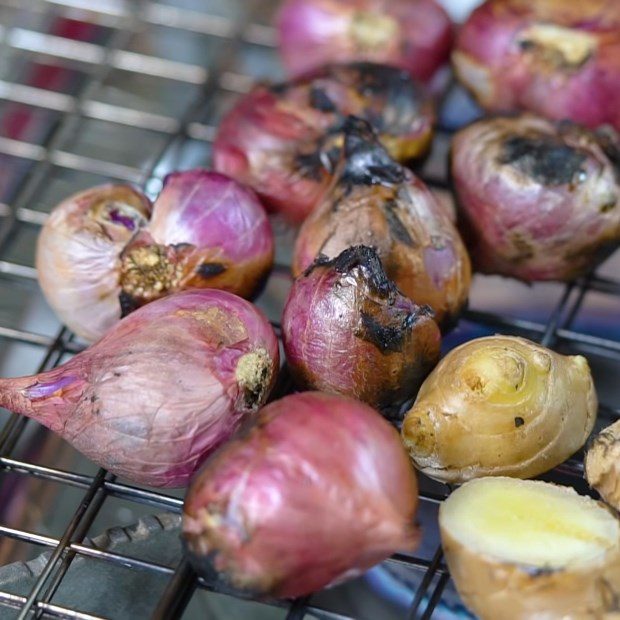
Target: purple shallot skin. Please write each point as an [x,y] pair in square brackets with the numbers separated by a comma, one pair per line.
[539,200]
[346,329]
[556,58]
[415,35]
[206,230]
[106,251]
[315,492]
[163,388]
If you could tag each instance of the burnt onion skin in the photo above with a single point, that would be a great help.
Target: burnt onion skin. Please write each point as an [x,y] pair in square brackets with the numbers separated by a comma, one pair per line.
[106,251]
[414,35]
[555,58]
[347,330]
[539,200]
[317,491]
[283,140]
[163,388]
[374,201]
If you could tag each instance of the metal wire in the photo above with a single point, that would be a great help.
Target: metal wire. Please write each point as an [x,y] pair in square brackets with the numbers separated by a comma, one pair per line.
[125,18]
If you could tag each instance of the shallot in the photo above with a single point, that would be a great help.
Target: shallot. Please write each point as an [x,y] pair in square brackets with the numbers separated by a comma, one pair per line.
[102,252]
[558,58]
[540,200]
[316,492]
[348,330]
[283,140]
[374,201]
[164,387]
[415,35]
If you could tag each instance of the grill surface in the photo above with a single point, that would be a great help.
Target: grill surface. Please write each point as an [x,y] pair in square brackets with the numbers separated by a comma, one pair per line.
[122,90]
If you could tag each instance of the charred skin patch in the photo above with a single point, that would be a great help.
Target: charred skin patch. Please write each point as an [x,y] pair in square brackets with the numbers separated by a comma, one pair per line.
[218,580]
[128,304]
[320,100]
[401,97]
[387,337]
[381,323]
[395,225]
[366,160]
[366,258]
[208,270]
[544,158]
[309,165]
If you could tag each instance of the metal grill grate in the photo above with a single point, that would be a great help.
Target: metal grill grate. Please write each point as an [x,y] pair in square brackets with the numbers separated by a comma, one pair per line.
[95,46]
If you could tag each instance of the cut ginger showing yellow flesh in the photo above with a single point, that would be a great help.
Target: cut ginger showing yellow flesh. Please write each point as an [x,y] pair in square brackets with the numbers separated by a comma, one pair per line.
[530,549]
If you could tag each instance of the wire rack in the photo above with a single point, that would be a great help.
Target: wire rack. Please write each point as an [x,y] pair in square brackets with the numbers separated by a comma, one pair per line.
[94,40]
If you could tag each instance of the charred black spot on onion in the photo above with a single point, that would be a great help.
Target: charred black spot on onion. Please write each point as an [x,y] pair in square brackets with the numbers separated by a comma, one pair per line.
[348,330]
[208,270]
[367,259]
[544,158]
[127,303]
[367,162]
[397,228]
[320,100]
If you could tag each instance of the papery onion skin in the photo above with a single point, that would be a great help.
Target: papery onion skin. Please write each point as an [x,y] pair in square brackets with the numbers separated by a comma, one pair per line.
[415,35]
[206,231]
[102,253]
[163,388]
[376,202]
[602,464]
[558,59]
[500,406]
[282,139]
[77,255]
[539,200]
[315,493]
[347,330]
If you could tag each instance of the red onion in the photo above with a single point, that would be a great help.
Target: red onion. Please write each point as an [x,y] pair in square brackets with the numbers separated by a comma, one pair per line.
[99,256]
[376,202]
[282,140]
[348,330]
[161,390]
[558,58]
[315,493]
[415,35]
[540,200]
